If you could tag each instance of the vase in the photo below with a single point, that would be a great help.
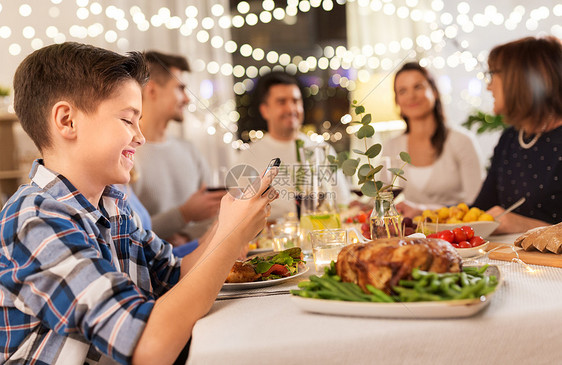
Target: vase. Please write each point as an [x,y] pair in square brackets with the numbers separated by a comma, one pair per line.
[385,221]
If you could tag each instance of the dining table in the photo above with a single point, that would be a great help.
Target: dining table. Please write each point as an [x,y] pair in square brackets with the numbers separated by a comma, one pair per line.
[519,325]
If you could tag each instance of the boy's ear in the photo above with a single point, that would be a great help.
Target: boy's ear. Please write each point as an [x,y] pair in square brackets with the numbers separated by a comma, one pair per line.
[62,116]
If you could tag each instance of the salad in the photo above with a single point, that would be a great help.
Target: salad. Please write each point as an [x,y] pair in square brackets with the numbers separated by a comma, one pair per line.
[266,266]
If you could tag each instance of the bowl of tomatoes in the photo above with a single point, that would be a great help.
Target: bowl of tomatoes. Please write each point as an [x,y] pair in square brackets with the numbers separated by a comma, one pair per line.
[481,228]
[464,240]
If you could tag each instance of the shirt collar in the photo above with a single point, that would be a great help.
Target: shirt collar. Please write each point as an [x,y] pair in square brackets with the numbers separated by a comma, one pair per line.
[62,189]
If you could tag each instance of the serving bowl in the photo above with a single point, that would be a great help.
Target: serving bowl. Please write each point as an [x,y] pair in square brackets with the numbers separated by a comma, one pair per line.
[473,251]
[481,228]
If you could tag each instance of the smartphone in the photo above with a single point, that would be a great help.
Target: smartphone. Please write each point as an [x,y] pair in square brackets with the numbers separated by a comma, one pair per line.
[273,163]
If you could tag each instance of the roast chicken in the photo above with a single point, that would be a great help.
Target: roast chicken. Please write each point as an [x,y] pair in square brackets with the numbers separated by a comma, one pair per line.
[384,262]
[544,239]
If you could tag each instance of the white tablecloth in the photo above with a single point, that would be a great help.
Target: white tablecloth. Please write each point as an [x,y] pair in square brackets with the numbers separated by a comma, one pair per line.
[521,325]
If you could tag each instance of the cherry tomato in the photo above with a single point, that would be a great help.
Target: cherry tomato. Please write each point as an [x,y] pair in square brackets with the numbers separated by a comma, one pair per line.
[349,220]
[477,241]
[464,244]
[469,231]
[447,235]
[455,245]
[460,235]
[362,218]
[432,235]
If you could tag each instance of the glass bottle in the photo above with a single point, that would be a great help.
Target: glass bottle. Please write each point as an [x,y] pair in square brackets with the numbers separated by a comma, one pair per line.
[385,220]
[317,203]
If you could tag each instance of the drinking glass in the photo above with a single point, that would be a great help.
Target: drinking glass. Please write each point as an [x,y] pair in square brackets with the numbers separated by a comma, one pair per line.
[286,235]
[316,198]
[326,245]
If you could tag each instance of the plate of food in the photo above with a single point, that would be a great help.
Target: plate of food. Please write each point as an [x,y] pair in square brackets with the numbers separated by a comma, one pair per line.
[266,269]
[429,282]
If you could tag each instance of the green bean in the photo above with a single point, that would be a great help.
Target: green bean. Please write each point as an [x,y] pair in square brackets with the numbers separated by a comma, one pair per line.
[464,279]
[379,294]
[407,283]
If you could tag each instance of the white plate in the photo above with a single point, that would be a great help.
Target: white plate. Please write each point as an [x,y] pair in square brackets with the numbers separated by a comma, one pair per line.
[259,250]
[481,228]
[438,309]
[262,284]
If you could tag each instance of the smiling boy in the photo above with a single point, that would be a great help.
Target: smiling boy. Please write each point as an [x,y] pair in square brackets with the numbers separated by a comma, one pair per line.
[79,281]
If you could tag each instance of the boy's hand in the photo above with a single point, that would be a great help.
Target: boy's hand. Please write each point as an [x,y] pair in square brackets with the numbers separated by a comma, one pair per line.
[201,205]
[246,216]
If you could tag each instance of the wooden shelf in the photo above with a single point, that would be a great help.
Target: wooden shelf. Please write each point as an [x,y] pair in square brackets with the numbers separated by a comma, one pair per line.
[12,174]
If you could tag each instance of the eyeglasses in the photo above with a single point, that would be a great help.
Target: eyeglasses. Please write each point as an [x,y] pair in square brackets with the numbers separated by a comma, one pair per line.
[488,75]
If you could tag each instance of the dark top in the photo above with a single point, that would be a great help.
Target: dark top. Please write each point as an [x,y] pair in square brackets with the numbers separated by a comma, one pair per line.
[534,173]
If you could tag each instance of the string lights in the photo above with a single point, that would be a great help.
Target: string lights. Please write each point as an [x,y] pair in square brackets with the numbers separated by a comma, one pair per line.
[192,21]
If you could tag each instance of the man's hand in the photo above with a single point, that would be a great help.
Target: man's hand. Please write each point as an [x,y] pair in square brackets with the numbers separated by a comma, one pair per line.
[201,205]
[513,222]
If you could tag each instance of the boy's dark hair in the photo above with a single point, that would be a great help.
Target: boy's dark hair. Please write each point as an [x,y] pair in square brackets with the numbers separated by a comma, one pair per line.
[438,138]
[269,80]
[82,74]
[159,65]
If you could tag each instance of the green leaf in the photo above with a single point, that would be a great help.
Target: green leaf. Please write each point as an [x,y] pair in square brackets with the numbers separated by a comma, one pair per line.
[396,171]
[365,132]
[366,119]
[360,109]
[379,185]
[332,159]
[369,189]
[359,152]
[364,170]
[373,171]
[263,266]
[374,150]
[405,156]
[342,156]
[362,180]
[349,167]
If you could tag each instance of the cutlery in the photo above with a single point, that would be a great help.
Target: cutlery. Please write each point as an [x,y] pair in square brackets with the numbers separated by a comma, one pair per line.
[511,207]
[252,295]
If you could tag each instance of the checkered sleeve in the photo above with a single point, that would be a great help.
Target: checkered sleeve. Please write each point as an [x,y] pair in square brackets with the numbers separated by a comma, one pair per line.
[156,258]
[55,274]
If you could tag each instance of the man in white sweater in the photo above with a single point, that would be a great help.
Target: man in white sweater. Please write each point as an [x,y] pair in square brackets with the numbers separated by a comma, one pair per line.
[281,105]
[172,173]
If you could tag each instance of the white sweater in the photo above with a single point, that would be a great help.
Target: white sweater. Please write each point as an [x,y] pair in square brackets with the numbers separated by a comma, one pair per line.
[456,176]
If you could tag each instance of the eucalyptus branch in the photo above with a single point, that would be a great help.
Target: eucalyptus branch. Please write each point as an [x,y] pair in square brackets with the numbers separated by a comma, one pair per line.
[367,173]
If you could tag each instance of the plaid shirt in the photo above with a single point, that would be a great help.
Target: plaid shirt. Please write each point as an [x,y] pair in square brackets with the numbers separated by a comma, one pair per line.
[77,284]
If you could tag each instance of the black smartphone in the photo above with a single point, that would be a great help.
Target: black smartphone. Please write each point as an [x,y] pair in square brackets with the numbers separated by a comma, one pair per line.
[273,163]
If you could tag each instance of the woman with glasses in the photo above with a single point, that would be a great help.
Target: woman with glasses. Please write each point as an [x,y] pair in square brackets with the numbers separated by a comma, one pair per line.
[446,165]
[525,79]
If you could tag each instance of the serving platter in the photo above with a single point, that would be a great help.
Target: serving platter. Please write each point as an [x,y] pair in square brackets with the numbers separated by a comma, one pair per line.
[262,284]
[412,310]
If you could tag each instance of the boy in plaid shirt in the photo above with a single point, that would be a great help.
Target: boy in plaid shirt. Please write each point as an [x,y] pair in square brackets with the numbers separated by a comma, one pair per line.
[80,282]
